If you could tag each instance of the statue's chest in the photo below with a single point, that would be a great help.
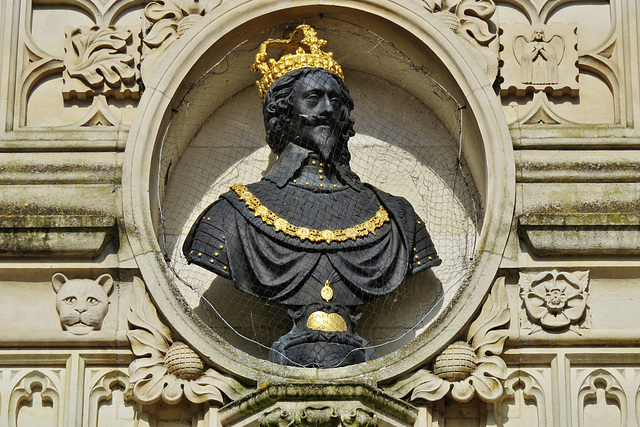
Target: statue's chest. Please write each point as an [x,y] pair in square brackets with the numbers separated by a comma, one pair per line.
[319,210]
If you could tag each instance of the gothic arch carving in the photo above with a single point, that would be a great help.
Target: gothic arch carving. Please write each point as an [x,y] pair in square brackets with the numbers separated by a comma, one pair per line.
[34,391]
[530,388]
[102,390]
[602,390]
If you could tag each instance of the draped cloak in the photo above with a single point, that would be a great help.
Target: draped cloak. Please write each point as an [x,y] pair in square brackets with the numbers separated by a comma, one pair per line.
[230,240]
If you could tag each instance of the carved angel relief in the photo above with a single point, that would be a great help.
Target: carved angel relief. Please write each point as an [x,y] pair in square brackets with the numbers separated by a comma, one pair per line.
[101,61]
[539,58]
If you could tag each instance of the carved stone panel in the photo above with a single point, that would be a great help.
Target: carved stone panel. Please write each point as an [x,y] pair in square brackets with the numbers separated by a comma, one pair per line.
[101,61]
[554,300]
[169,370]
[538,58]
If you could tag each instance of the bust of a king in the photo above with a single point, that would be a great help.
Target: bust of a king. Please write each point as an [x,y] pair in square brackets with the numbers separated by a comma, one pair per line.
[310,235]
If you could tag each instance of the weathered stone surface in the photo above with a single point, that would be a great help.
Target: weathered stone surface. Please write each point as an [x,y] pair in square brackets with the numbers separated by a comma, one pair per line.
[82,236]
[319,403]
[600,234]
[80,195]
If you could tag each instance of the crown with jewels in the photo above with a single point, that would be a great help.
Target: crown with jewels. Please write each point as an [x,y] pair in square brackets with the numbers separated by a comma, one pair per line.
[302,50]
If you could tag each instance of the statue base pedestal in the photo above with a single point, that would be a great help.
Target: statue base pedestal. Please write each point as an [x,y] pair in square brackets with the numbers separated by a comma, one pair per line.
[322,337]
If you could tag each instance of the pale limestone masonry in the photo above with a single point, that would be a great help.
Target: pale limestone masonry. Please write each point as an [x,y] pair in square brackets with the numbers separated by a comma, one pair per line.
[109,108]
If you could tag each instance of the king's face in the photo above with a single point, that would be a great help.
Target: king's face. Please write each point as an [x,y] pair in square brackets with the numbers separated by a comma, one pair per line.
[317,106]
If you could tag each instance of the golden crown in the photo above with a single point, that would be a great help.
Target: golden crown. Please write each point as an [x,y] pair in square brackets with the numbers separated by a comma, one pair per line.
[302,50]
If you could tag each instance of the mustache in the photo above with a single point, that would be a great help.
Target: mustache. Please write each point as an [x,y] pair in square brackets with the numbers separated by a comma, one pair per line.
[317,120]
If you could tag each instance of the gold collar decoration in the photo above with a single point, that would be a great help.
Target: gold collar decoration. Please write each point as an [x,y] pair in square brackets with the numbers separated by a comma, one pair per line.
[303,233]
[302,50]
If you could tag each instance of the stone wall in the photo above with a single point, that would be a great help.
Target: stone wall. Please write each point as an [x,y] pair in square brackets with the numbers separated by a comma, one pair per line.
[542,330]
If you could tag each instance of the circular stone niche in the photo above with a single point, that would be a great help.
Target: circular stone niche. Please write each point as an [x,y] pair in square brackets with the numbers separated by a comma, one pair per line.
[415,138]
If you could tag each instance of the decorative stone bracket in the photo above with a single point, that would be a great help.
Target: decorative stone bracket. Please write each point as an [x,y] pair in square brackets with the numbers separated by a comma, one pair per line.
[318,404]
[466,368]
[169,370]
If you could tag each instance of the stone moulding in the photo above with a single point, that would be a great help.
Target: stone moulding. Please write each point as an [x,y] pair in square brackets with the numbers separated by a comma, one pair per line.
[343,404]
[598,234]
[83,236]
[486,337]
[168,370]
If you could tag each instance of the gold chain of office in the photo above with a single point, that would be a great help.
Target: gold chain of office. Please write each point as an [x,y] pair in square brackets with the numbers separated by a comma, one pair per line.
[303,233]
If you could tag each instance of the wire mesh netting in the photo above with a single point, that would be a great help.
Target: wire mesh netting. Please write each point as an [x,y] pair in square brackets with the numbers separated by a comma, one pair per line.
[405,144]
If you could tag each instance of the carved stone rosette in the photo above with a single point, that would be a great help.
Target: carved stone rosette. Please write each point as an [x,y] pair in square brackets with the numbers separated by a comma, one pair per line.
[169,370]
[555,300]
[466,368]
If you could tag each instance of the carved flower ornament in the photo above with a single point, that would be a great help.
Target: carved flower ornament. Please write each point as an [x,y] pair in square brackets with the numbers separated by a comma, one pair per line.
[168,370]
[463,370]
[555,300]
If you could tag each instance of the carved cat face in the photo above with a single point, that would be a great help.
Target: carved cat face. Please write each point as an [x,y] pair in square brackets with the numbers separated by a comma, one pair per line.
[82,303]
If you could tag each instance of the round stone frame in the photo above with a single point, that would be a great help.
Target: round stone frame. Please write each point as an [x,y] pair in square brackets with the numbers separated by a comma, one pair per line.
[180,64]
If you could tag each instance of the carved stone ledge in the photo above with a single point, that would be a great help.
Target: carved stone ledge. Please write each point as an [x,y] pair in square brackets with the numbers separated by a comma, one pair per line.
[598,234]
[320,404]
[61,235]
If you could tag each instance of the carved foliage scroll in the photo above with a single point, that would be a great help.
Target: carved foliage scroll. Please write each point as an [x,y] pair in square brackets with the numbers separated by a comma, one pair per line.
[471,20]
[166,21]
[467,368]
[101,61]
[169,370]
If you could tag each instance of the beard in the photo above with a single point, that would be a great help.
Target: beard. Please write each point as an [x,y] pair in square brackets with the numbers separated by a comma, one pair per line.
[318,134]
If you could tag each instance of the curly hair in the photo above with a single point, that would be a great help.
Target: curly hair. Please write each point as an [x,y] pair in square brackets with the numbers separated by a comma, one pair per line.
[277,109]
